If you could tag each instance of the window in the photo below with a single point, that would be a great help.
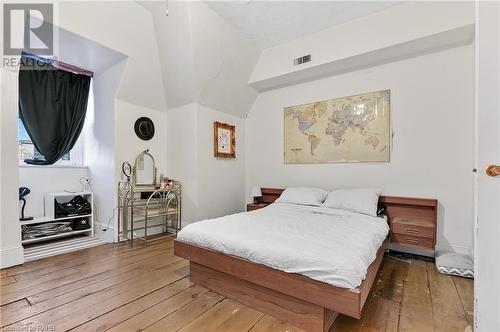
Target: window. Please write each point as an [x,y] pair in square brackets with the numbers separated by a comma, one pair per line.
[26,149]
[52,128]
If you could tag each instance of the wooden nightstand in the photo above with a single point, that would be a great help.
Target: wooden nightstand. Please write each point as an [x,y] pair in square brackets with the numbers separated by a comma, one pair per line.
[413,221]
[256,206]
[413,232]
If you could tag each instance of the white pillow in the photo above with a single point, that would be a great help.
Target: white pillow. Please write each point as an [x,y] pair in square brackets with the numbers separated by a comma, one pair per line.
[355,200]
[303,196]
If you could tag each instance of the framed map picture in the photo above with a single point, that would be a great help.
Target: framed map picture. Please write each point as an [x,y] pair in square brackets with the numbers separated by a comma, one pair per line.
[349,129]
[224,140]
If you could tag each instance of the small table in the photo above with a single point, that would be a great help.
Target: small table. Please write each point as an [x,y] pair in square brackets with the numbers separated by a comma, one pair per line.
[256,206]
[141,209]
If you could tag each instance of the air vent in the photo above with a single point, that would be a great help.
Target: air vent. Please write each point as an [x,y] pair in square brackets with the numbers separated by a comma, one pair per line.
[302,60]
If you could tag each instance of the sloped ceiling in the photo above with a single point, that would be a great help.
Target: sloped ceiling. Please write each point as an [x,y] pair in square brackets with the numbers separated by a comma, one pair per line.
[125,27]
[204,58]
[175,47]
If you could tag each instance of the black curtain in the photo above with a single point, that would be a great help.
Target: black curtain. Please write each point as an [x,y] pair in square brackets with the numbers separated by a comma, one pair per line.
[52,107]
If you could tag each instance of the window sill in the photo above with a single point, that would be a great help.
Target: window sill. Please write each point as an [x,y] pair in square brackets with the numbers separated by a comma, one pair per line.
[24,165]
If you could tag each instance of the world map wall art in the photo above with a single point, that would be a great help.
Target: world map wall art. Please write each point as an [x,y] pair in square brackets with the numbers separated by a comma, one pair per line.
[348,129]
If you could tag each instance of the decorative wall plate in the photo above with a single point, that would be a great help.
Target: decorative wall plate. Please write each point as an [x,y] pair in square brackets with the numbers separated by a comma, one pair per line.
[144,128]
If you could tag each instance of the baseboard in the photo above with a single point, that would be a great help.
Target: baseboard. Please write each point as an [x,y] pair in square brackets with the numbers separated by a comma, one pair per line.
[11,256]
[411,250]
[64,246]
[430,253]
[107,235]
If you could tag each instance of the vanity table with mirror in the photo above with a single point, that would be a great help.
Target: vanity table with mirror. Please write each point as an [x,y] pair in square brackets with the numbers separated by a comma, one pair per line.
[147,209]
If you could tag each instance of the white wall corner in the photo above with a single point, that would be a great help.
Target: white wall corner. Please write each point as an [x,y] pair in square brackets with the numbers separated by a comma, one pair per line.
[132,34]
[204,59]
[11,256]
[459,249]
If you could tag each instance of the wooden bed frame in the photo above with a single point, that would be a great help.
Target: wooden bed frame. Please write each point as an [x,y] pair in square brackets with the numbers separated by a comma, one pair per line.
[306,303]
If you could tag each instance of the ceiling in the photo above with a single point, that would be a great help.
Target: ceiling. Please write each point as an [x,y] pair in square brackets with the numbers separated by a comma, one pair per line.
[270,23]
[82,52]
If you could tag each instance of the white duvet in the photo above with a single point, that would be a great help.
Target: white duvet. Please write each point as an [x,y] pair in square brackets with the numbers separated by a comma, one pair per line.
[328,245]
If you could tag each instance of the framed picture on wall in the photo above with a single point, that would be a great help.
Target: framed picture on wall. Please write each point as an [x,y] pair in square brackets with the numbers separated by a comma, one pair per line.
[224,140]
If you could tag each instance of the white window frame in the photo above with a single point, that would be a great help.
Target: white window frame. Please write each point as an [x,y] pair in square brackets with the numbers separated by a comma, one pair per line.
[75,157]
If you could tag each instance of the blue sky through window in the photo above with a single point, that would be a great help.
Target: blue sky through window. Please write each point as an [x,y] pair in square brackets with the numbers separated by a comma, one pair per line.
[22,134]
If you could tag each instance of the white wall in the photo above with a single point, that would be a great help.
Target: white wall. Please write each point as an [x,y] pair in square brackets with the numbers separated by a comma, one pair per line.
[182,151]
[100,144]
[11,251]
[221,180]
[212,187]
[432,117]
[128,145]
[111,140]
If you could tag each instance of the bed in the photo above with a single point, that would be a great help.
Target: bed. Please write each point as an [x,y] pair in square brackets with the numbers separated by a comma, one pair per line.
[257,259]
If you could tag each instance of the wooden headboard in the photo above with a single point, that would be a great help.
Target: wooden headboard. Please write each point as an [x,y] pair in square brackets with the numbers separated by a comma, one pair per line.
[269,195]
[422,208]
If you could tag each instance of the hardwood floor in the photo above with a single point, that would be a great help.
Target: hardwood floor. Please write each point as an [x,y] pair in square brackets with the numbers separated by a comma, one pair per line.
[117,287]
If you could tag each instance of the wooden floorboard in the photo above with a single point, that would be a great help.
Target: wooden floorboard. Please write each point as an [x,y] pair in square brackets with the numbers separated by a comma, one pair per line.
[447,308]
[144,287]
[134,308]
[104,286]
[155,313]
[269,324]
[22,289]
[186,314]
[465,289]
